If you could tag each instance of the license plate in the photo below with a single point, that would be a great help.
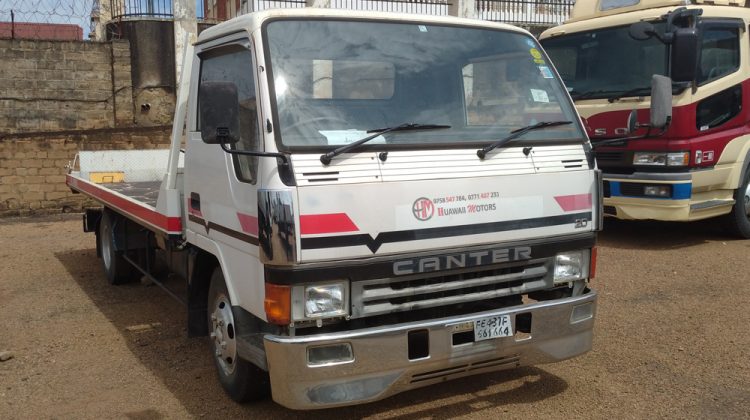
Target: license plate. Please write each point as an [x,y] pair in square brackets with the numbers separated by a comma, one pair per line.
[493,327]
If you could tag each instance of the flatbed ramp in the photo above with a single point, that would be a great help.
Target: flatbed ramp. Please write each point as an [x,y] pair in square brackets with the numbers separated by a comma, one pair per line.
[127,181]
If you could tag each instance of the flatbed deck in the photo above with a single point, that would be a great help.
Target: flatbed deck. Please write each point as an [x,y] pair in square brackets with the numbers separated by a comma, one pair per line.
[135,200]
[146,192]
[128,182]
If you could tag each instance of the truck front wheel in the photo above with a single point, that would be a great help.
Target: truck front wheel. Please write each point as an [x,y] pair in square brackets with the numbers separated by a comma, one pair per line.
[738,220]
[118,270]
[242,380]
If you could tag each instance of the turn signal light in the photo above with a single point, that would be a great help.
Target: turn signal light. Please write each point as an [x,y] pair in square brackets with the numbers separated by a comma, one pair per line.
[592,264]
[278,304]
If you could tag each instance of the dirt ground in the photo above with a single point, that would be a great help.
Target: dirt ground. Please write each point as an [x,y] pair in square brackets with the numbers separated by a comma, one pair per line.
[672,339]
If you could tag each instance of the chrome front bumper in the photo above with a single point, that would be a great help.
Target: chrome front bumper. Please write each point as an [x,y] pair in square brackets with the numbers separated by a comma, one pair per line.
[381,366]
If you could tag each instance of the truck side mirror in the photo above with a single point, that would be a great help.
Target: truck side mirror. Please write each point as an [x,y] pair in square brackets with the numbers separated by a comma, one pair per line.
[661,101]
[641,31]
[219,112]
[684,54]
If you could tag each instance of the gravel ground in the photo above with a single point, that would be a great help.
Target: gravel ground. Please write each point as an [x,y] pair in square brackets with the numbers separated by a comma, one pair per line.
[671,339]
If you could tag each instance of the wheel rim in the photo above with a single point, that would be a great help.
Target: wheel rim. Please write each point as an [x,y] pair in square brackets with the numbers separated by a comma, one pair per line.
[106,246]
[746,199]
[223,335]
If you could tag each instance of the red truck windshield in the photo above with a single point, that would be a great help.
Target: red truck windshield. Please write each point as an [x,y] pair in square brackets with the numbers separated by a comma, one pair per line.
[607,63]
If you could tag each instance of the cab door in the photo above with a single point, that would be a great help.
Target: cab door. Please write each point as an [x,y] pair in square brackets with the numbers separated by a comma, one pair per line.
[221,188]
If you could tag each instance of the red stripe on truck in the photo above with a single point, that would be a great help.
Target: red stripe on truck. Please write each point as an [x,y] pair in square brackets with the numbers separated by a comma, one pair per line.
[312,224]
[249,224]
[574,202]
[131,208]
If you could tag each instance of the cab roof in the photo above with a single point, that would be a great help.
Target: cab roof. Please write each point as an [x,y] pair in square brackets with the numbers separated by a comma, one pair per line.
[590,9]
[252,21]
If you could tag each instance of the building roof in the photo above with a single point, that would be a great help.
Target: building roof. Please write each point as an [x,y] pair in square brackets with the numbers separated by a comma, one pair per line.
[46,31]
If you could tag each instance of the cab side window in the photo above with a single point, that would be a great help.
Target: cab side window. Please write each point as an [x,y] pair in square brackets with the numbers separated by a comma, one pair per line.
[720,53]
[234,64]
[719,108]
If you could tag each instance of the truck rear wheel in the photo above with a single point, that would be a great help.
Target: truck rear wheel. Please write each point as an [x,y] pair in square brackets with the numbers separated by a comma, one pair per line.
[118,270]
[242,380]
[738,220]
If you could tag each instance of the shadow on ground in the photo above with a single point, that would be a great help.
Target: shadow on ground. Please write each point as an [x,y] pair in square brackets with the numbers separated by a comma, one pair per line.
[653,235]
[185,368]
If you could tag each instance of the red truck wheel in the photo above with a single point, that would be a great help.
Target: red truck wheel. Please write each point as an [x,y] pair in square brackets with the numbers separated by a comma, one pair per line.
[242,380]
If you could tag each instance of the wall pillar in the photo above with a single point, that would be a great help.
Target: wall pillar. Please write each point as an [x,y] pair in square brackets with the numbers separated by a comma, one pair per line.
[463,8]
[318,3]
[185,22]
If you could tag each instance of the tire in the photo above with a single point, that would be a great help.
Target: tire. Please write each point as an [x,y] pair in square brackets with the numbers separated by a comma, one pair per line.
[118,270]
[242,380]
[737,221]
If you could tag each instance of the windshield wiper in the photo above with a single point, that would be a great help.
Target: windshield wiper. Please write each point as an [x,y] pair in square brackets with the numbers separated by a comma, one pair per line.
[625,94]
[325,158]
[518,133]
[583,95]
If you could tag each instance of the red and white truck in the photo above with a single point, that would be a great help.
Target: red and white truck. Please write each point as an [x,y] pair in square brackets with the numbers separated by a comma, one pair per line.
[366,203]
[693,165]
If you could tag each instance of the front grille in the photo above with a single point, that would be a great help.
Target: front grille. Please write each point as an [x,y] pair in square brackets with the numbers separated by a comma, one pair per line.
[607,192]
[631,189]
[428,290]
[609,156]
[610,210]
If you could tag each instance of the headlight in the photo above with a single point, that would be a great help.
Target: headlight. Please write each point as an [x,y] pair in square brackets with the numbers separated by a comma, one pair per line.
[323,301]
[661,159]
[571,266]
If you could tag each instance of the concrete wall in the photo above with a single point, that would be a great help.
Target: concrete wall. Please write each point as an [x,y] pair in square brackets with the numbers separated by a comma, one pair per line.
[152,53]
[33,166]
[64,85]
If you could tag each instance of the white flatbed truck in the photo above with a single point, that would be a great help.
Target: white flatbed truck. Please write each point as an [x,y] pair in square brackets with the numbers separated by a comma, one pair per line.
[366,203]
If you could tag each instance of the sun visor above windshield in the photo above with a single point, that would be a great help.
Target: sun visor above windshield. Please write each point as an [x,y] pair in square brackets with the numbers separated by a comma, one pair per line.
[589,9]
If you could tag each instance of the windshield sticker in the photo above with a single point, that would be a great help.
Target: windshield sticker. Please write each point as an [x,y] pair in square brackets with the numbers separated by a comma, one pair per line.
[530,43]
[535,53]
[546,72]
[538,61]
[422,28]
[341,137]
[539,95]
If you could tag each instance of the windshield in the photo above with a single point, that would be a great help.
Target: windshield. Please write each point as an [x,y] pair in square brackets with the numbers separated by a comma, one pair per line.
[332,81]
[607,63]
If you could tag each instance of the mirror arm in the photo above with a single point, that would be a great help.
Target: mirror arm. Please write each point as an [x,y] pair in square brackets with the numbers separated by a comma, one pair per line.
[277,155]
[617,140]
[664,39]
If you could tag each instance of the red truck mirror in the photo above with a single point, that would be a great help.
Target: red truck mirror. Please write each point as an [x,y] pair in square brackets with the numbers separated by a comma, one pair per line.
[661,101]
[218,112]
[684,54]
[684,48]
